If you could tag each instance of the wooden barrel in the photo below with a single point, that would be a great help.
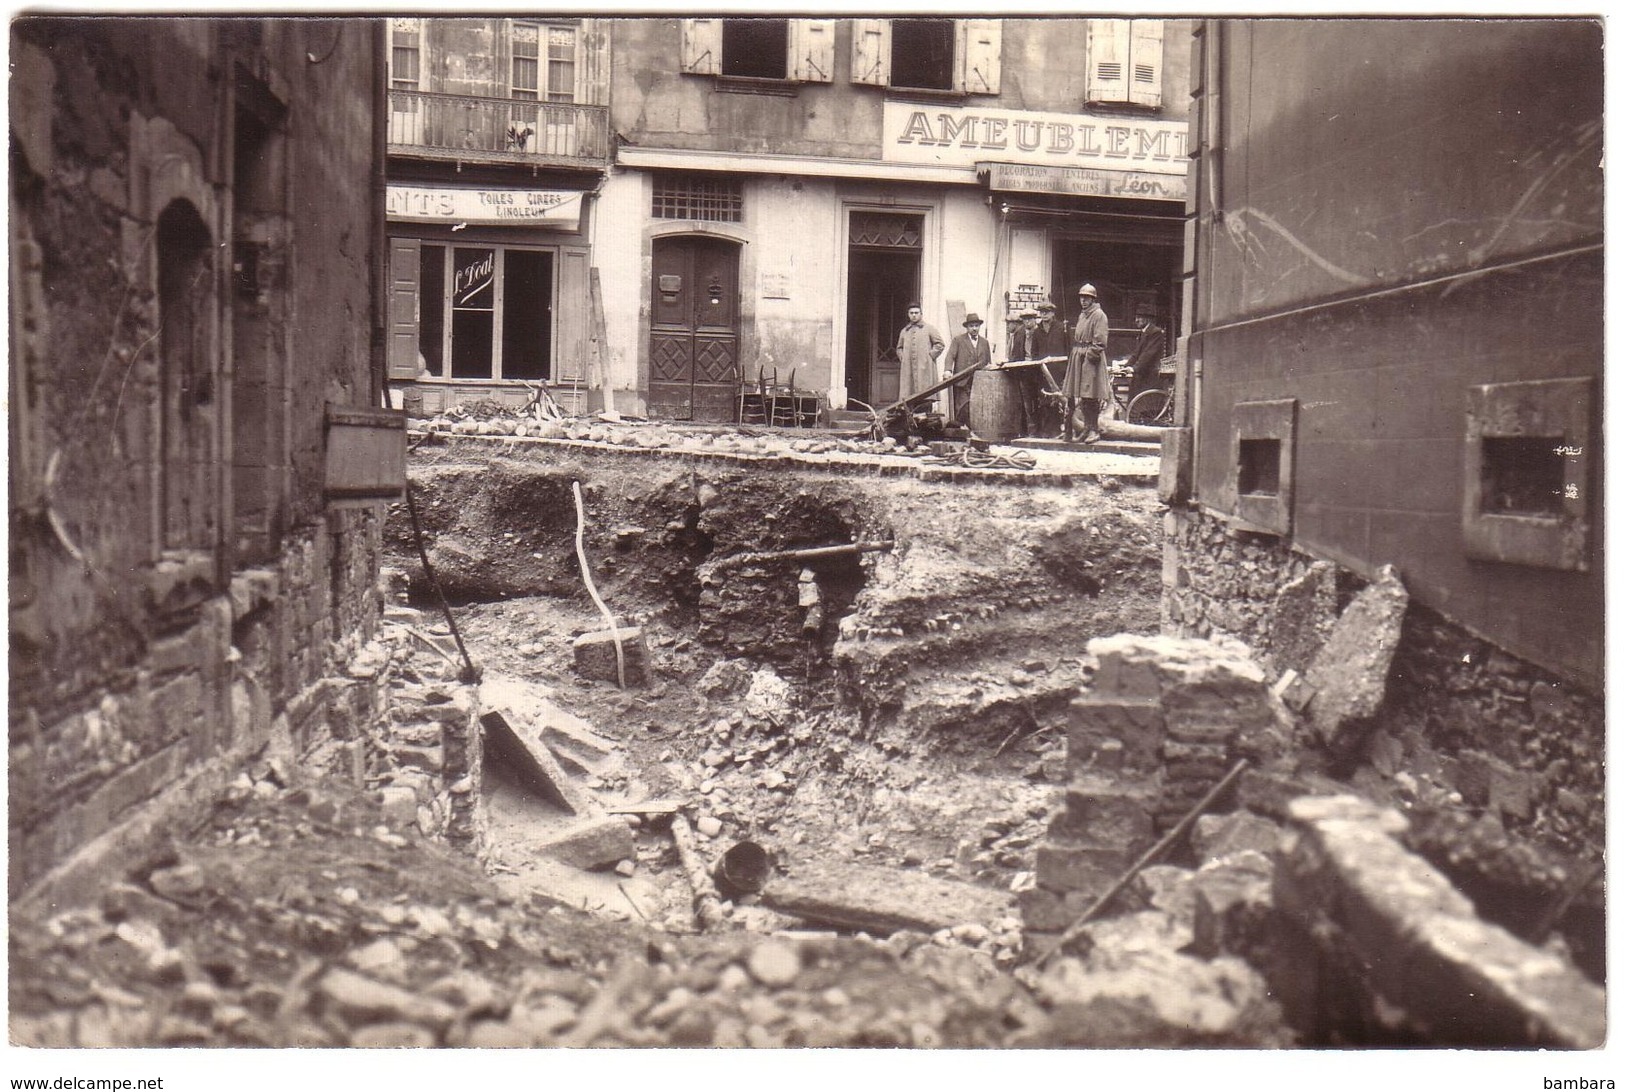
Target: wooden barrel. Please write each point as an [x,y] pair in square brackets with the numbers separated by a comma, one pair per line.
[995,406]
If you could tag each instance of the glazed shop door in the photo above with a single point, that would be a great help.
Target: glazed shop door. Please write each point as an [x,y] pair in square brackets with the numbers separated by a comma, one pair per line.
[694,335]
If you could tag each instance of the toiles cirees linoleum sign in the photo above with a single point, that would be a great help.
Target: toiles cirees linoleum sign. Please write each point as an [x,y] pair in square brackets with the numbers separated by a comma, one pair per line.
[439,205]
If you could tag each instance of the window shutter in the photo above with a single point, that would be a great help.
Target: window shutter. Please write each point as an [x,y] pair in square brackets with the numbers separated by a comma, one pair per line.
[979,56]
[403,308]
[1145,69]
[812,50]
[592,62]
[1108,60]
[571,363]
[871,51]
[702,46]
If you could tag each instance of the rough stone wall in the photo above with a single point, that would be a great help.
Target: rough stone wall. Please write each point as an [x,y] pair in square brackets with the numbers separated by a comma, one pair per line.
[1502,732]
[137,656]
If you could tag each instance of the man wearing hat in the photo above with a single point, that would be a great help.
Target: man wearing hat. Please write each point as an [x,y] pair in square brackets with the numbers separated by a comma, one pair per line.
[968,349]
[1027,343]
[1087,381]
[1146,360]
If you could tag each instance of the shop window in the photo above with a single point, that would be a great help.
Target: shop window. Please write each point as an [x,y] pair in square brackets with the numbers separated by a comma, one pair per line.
[482,312]
[950,55]
[1125,61]
[1262,471]
[1527,473]
[786,50]
[698,197]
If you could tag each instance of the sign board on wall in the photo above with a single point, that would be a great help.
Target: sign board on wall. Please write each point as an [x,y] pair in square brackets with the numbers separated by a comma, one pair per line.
[964,136]
[1082,181]
[438,205]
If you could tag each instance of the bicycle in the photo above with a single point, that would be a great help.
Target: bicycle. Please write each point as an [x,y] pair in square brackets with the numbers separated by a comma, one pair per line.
[1154,407]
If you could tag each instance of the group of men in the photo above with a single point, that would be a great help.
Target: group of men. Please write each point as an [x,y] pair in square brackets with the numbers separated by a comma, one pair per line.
[1074,359]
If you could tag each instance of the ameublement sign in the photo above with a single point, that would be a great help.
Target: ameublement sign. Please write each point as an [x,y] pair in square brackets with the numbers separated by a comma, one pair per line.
[438,205]
[964,136]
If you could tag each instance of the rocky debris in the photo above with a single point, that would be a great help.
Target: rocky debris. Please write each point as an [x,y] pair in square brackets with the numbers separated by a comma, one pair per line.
[1350,673]
[1431,966]
[1217,836]
[516,746]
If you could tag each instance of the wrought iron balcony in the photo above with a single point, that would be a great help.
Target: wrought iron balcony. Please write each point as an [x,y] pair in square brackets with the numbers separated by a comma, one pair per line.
[429,125]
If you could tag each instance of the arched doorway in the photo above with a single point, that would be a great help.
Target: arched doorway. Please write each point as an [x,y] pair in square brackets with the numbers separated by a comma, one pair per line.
[694,328]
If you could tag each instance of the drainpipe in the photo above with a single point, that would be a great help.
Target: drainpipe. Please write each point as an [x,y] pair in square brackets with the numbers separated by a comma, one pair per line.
[380,223]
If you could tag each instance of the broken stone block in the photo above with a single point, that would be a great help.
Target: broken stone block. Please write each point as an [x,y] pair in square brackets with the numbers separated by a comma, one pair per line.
[1162,887]
[1350,674]
[532,763]
[399,805]
[595,655]
[1102,813]
[358,1000]
[1217,836]
[1293,690]
[1050,911]
[573,741]
[1097,719]
[1065,867]
[592,845]
[1234,904]
[882,901]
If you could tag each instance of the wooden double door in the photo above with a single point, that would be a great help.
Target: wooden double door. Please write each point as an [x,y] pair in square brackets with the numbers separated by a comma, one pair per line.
[694,329]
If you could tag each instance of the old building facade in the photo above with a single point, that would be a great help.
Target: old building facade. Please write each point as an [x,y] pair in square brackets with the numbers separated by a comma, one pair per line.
[498,143]
[643,213]
[196,449]
[1394,356]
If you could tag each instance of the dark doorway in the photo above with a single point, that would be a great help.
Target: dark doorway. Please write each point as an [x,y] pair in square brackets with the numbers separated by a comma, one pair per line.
[1126,274]
[880,286]
[694,333]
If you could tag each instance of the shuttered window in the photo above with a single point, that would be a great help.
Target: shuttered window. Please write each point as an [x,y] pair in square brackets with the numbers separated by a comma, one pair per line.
[1125,61]
[960,55]
[800,50]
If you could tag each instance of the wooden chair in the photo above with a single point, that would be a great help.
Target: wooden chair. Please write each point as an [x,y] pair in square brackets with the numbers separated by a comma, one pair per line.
[753,398]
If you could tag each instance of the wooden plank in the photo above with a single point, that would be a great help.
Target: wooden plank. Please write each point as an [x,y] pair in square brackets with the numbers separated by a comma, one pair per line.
[882,900]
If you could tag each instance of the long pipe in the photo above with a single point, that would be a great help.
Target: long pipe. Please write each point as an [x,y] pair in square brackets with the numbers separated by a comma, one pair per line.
[380,225]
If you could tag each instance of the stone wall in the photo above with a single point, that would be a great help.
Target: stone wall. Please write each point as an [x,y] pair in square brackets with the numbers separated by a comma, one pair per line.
[1459,712]
[181,593]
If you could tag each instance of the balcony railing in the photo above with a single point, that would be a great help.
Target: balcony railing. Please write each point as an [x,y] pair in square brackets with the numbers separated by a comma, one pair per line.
[467,127]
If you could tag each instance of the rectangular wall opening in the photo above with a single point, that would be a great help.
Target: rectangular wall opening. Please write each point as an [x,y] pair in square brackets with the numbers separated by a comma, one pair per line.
[1259,470]
[1522,476]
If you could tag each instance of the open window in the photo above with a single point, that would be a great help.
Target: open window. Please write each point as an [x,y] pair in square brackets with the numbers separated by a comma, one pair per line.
[1125,62]
[789,50]
[949,55]
[1528,459]
[1262,435]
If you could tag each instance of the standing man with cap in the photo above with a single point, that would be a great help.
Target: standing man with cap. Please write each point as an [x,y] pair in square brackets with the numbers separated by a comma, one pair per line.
[1087,380]
[1027,343]
[966,350]
[1146,360]
[918,346]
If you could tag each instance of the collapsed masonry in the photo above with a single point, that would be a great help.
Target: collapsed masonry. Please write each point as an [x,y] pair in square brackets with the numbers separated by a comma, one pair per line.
[1360,939]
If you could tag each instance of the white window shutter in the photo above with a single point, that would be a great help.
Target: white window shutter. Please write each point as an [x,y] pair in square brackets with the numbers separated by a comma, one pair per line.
[1108,61]
[1145,63]
[978,56]
[812,50]
[871,51]
[702,46]
[592,62]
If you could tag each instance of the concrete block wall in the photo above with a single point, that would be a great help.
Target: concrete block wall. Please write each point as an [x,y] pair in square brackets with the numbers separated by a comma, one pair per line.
[1162,723]
[1505,733]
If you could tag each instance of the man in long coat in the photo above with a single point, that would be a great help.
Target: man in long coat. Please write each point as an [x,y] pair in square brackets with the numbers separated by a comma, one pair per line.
[967,349]
[918,346]
[1146,360]
[1088,380]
